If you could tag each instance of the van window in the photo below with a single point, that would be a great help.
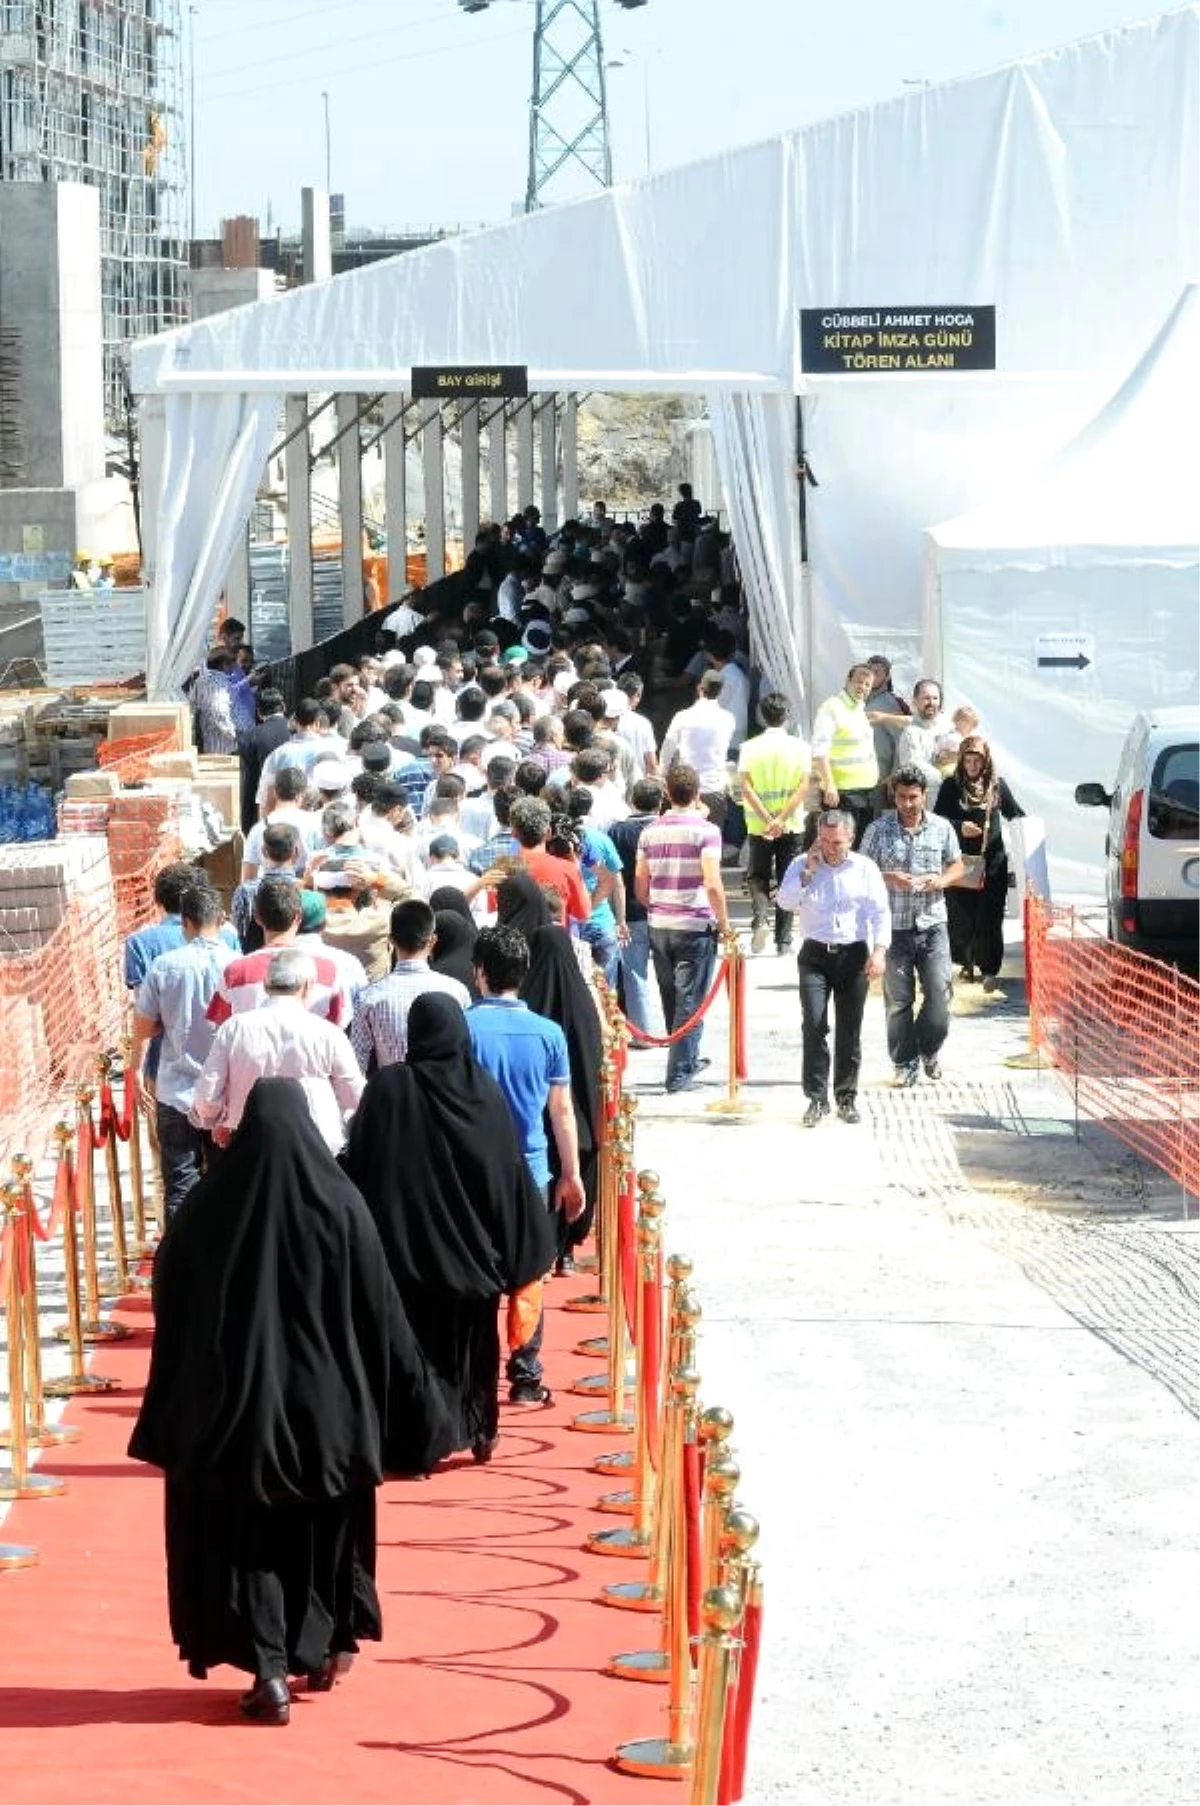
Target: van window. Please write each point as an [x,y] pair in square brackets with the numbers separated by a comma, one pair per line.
[1174,812]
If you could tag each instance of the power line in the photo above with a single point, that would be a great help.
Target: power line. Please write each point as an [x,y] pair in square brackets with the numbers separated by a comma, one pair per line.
[356,68]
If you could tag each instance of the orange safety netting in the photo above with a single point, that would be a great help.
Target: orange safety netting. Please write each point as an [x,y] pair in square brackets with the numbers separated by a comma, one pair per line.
[63,1002]
[1123,1030]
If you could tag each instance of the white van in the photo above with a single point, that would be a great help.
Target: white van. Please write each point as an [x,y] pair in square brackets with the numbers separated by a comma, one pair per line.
[1152,849]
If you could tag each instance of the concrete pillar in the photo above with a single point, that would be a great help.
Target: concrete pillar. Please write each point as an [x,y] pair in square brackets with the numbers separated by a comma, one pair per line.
[432,453]
[470,474]
[349,464]
[316,244]
[299,519]
[395,497]
[524,420]
[569,430]
[498,461]
[548,437]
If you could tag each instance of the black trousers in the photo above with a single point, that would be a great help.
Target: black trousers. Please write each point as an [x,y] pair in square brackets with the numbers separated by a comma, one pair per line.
[768,861]
[840,974]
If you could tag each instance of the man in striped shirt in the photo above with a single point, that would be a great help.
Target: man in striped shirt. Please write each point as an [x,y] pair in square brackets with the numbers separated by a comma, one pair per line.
[678,879]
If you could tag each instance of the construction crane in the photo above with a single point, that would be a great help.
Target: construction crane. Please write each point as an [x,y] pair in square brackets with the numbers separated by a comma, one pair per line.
[568,104]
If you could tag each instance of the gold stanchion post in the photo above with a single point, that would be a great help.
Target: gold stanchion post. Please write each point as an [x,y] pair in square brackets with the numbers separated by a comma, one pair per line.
[669,1757]
[733,1103]
[635,1539]
[16,1481]
[645,1436]
[683,1384]
[614,1416]
[679,1267]
[722,1613]
[94,1328]
[39,1433]
[78,1379]
[118,1286]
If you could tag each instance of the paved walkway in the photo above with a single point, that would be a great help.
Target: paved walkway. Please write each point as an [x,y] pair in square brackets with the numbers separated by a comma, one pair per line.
[960,1348]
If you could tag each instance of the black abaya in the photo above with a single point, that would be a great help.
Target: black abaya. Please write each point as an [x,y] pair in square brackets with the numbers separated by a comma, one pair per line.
[284,1378]
[433,1149]
[556,988]
[453,951]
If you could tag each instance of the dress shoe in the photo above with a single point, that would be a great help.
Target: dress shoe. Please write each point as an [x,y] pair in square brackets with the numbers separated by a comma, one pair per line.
[565,1264]
[815,1112]
[847,1110]
[933,1067]
[268,1702]
[320,1680]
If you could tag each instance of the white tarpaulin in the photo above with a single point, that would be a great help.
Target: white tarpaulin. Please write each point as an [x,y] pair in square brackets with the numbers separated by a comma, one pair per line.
[1071,600]
[1063,191]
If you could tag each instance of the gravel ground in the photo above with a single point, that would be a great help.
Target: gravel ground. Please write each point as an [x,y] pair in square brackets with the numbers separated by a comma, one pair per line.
[959,1342]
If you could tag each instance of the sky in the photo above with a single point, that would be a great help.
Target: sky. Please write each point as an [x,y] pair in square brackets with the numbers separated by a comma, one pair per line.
[428,107]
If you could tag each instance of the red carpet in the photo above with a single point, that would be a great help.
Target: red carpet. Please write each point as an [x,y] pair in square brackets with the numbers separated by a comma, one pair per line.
[488,1686]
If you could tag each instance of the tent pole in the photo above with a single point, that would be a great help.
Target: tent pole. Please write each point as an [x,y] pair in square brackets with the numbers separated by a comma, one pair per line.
[805,596]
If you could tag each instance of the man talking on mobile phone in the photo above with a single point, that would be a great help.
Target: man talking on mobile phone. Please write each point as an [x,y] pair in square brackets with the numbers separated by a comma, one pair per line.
[846,929]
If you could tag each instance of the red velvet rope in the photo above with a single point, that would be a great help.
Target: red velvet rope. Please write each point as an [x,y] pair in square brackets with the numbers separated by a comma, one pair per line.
[652,1328]
[58,1203]
[627,1250]
[694,1547]
[119,1125]
[743,1708]
[686,1027]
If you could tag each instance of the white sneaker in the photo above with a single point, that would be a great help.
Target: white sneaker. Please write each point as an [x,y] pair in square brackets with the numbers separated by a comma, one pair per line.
[759,938]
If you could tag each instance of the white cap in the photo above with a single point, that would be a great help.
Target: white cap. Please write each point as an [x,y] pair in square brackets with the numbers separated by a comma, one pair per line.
[424,655]
[577,617]
[554,564]
[616,703]
[563,681]
[331,774]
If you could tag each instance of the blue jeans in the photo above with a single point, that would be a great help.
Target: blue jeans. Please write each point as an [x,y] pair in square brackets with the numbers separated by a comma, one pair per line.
[683,965]
[635,974]
[924,954]
[183,1154]
[601,937]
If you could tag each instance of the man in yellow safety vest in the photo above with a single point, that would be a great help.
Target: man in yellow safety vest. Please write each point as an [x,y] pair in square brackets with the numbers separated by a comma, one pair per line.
[843,750]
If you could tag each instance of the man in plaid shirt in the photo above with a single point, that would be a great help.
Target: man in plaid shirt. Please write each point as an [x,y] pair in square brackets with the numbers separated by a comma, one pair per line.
[919,857]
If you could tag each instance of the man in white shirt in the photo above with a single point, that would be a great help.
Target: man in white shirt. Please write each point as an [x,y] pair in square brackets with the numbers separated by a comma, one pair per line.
[735,685]
[281,1040]
[700,737]
[633,727]
[919,739]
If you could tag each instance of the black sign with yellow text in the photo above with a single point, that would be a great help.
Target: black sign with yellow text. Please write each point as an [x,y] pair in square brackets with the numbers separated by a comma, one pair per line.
[866,341]
[451,382]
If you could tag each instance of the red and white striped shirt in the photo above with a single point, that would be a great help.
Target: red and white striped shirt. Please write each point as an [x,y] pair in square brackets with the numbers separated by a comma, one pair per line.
[244,987]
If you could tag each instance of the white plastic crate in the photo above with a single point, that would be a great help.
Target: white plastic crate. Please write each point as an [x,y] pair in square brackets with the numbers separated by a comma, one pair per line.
[89,637]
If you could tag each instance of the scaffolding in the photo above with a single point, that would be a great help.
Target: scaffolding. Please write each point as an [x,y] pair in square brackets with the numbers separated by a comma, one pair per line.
[92,91]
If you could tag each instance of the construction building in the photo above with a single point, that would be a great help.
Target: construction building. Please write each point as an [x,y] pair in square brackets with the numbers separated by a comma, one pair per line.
[91,91]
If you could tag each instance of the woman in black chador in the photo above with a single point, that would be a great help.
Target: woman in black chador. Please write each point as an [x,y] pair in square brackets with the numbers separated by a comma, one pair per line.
[284,1380]
[433,1150]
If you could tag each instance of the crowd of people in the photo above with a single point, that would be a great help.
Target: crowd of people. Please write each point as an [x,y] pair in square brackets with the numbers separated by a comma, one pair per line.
[384,1048]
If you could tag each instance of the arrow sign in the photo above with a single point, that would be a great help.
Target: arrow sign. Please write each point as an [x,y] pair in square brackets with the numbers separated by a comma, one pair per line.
[1064,652]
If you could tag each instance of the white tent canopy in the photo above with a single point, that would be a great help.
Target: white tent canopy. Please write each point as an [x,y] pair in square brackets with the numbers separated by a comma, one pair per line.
[1096,558]
[1062,190]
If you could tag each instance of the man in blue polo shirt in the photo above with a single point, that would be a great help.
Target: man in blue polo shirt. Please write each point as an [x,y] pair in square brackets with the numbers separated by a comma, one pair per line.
[526,1054]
